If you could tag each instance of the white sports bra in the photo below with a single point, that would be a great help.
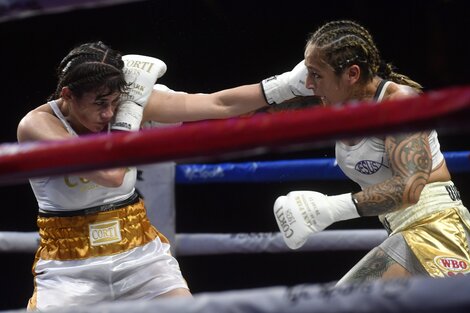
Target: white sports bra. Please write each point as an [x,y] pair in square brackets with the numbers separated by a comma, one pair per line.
[366,162]
[71,193]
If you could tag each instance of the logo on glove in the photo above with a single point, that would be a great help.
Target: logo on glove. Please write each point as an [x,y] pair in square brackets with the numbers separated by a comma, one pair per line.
[285,221]
[141,65]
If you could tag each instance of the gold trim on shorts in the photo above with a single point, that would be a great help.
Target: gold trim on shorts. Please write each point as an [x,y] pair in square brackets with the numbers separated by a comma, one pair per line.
[440,243]
[99,234]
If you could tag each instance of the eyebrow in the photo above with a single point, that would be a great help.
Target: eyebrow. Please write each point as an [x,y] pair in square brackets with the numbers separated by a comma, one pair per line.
[312,68]
[102,96]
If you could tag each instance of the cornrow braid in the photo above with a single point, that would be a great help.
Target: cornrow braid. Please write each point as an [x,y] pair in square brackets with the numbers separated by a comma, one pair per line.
[346,27]
[342,48]
[346,42]
[90,67]
[386,70]
[87,76]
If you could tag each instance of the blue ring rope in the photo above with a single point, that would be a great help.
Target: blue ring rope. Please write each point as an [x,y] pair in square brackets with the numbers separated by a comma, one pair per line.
[281,171]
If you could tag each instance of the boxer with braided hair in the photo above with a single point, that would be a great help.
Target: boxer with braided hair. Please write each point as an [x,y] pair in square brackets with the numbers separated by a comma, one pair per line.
[404,179]
[90,65]
[362,51]
[97,243]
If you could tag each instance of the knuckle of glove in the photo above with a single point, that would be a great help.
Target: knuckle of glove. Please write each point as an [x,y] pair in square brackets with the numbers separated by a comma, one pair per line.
[298,81]
[141,72]
[291,223]
[314,208]
[151,67]
[301,213]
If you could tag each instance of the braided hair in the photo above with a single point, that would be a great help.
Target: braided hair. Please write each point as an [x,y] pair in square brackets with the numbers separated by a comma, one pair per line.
[91,67]
[344,43]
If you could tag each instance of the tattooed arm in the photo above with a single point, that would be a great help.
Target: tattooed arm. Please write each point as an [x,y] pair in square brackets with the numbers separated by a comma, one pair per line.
[301,213]
[411,162]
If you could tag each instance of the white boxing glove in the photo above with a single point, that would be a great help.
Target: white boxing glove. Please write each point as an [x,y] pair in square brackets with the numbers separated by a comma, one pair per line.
[280,88]
[141,73]
[302,213]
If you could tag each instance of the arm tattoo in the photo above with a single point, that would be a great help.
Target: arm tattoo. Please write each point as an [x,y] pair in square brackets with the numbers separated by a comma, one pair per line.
[411,161]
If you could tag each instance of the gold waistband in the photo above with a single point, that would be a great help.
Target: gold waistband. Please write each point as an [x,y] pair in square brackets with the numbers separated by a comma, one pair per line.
[435,197]
[72,238]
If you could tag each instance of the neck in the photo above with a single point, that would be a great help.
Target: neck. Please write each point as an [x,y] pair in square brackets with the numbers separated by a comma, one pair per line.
[66,109]
[366,92]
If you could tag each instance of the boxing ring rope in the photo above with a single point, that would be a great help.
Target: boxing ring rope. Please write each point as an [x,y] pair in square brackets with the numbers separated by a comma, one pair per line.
[446,109]
[412,295]
[209,244]
[213,244]
[285,170]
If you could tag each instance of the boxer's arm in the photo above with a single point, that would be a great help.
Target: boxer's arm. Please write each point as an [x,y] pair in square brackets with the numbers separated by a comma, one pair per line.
[411,163]
[171,107]
[110,178]
[40,125]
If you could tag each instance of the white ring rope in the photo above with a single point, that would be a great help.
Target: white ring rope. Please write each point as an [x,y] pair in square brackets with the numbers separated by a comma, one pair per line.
[206,244]
[212,244]
[14,241]
[416,294]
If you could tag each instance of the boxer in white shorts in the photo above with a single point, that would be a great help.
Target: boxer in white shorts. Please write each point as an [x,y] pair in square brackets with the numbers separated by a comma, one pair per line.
[97,243]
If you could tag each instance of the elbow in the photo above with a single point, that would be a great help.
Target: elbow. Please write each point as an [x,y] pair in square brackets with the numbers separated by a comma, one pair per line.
[410,201]
[115,182]
[412,194]
[114,179]
[416,196]
[107,178]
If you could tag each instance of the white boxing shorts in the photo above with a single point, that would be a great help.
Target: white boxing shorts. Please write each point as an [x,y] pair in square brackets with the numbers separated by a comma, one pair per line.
[105,256]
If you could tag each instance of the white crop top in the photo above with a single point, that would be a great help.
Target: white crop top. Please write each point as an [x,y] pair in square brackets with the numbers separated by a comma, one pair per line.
[366,162]
[70,193]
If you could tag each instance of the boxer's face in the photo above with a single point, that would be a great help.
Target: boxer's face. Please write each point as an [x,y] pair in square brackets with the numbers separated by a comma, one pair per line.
[322,79]
[93,111]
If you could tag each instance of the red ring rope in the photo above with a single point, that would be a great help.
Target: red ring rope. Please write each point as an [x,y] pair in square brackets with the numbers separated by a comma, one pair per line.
[436,109]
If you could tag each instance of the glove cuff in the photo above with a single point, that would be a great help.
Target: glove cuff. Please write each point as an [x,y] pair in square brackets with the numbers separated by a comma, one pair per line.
[343,207]
[276,89]
[128,117]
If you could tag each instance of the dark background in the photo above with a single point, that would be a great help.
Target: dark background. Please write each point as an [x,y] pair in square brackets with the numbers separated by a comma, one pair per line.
[208,46]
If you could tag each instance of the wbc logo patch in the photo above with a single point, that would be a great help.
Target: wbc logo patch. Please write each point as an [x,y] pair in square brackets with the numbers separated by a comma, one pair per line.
[452,266]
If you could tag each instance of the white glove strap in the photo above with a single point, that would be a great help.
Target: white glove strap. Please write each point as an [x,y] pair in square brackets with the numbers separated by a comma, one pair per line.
[288,85]
[128,117]
[343,207]
[276,89]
